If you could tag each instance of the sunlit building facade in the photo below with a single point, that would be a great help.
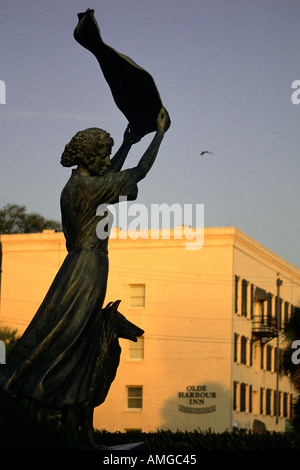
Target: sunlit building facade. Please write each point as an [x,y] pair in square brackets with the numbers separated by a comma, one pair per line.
[209,355]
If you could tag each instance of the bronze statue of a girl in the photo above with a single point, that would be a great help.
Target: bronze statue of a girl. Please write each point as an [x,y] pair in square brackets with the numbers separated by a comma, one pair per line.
[54,360]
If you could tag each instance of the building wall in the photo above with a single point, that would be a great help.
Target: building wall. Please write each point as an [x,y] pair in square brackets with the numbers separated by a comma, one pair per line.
[29,265]
[187,323]
[188,371]
[260,268]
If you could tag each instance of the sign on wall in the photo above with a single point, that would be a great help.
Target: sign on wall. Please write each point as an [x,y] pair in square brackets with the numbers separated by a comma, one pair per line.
[197,399]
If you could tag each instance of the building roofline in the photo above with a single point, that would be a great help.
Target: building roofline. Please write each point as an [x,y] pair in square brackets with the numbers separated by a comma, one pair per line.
[215,234]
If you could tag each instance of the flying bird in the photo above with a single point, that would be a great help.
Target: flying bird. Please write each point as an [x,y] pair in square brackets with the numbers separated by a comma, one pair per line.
[206,151]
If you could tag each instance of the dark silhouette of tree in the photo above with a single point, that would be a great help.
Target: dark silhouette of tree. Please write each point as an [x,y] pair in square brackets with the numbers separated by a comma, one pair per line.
[15,219]
[9,336]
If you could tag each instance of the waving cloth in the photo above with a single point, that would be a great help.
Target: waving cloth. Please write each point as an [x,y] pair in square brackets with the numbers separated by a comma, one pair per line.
[132,87]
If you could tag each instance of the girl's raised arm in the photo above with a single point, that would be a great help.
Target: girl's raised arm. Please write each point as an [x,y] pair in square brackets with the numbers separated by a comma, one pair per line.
[119,158]
[147,160]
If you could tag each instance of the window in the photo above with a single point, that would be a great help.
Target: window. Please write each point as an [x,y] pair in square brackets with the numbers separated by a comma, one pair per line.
[285,404]
[260,311]
[269,308]
[255,402]
[286,312]
[268,401]
[251,300]
[278,311]
[243,391]
[137,295]
[269,357]
[277,359]
[135,398]
[236,293]
[136,350]
[291,406]
[250,399]
[251,352]
[244,297]
[262,356]
[277,402]
[256,356]
[243,350]
[242,397]
[262,401]
[236,389]
[236,342]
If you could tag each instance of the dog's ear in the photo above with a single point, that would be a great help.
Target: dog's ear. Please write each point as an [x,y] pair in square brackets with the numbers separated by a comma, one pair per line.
[115,305]
[106,310]
[108,306]
[111,307]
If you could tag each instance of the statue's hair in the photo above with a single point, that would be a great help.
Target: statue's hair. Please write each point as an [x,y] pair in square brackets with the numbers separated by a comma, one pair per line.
[84,146]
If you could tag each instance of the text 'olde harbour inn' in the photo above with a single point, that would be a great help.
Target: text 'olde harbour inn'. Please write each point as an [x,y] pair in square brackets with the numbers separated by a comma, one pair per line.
[208,357]
[197,395]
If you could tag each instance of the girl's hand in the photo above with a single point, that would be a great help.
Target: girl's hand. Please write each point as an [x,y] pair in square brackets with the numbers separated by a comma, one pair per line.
[130,137]
[163,120]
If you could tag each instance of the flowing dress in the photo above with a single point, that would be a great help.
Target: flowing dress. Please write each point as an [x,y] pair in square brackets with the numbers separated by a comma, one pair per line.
[54,360]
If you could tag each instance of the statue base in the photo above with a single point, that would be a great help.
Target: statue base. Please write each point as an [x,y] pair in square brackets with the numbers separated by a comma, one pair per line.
[131,446]
[122,447]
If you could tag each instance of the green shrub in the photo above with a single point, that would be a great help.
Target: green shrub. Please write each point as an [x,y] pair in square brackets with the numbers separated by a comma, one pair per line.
[24,427]
[196,441]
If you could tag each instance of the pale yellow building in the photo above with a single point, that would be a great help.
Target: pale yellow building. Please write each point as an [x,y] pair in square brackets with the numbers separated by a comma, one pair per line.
[208,355]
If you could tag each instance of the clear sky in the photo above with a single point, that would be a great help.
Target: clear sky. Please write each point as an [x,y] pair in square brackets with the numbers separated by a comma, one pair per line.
[224,69]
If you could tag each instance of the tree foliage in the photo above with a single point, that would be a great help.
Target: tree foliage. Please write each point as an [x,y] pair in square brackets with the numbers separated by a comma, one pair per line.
[9,336]
[15,219]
